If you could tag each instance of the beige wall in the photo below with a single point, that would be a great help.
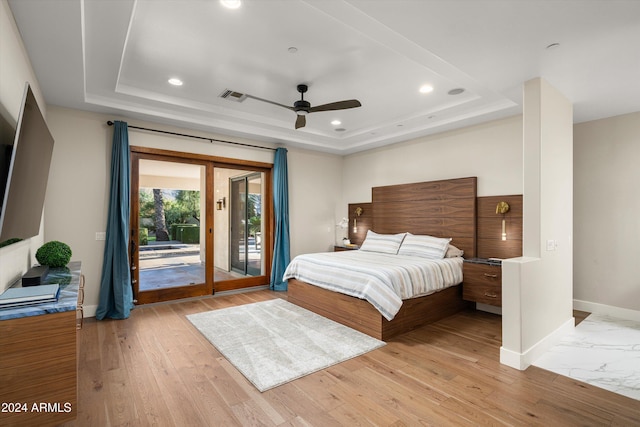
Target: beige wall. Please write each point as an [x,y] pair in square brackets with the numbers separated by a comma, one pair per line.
[15,70]
[491,151]
[315,186]
[77,197]
[607,215]
[78,191]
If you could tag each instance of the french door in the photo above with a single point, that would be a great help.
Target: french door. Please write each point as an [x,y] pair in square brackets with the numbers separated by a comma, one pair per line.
[171,238]
[242,227]
[199,224]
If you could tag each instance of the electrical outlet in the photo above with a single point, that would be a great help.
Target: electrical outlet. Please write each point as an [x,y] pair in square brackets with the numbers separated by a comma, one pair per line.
[101,235]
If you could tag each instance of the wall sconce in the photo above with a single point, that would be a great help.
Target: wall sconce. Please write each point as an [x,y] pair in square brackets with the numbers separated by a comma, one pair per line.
[358,212]
[502,208]
[221,203]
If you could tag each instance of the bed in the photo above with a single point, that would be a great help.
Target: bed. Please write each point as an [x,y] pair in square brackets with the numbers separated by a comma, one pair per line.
[384,280]
[445,209]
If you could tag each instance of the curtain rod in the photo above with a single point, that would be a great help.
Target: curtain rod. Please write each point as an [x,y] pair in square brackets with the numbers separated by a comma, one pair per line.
[211,140]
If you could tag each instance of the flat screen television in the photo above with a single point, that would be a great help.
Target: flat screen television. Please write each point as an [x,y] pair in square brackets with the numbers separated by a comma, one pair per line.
[24,172]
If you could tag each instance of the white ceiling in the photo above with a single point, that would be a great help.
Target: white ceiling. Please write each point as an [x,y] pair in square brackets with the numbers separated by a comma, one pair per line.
[116,57]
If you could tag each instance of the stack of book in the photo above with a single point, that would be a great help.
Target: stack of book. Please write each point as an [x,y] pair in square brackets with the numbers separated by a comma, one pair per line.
[18,297]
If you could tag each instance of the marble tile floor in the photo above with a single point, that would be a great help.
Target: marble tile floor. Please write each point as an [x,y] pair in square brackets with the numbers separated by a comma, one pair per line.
[603,351]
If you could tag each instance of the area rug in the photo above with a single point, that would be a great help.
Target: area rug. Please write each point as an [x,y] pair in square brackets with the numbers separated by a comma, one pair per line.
[603,351]
[274,342]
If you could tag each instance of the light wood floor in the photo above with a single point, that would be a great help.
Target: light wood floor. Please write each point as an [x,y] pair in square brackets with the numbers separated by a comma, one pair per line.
[156,369]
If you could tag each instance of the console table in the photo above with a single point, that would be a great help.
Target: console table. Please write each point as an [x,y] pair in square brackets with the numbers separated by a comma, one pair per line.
[38,355]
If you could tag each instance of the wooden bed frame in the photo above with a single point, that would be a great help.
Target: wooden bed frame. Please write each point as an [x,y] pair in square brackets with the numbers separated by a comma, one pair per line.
[444,208]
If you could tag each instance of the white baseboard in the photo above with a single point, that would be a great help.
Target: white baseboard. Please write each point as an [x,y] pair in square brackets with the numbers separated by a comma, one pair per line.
[89,310]
[512,359]
[522,361]
[609,310]
[489,308]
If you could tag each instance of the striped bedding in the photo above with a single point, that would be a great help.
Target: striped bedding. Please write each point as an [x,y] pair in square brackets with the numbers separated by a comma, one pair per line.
[382,279]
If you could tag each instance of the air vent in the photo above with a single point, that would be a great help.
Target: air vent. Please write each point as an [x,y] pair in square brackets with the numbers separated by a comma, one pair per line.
[233,95]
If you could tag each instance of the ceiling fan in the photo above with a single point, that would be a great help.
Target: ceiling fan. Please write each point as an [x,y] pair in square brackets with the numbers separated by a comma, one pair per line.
[302,107]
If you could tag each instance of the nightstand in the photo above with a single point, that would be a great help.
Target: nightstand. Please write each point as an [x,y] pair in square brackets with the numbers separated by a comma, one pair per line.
[482,281]
[337,248]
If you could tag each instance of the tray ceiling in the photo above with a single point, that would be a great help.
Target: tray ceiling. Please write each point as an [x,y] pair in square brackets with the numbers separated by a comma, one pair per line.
[117,57]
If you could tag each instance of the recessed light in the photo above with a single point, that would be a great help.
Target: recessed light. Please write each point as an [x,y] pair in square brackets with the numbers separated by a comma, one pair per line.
[552,46]
[336,122]
[231,4]
[456,91]
[340,129]
[426,89]
[292,49]
[174,81]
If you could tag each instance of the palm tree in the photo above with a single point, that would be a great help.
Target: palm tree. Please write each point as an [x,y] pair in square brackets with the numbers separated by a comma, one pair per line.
[162,235]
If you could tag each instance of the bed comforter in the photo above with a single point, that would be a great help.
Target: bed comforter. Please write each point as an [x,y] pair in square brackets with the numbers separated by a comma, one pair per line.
[383,280]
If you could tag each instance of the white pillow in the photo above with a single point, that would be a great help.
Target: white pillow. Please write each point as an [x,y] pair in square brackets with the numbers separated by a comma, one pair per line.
[424,246]
[383,243]
[453,252]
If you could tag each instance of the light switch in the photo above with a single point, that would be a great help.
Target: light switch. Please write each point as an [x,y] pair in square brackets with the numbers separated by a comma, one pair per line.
[101,235]
[551,245]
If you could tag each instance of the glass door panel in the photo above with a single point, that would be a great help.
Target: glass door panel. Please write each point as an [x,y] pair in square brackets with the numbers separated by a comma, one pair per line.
[254,225]
[171,215]
[238,227]
[239,251]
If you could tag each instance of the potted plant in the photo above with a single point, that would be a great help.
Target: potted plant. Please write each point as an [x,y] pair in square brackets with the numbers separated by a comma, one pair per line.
[54,254]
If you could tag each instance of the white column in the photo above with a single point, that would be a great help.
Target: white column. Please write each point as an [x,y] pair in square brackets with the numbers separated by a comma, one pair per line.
[537,288]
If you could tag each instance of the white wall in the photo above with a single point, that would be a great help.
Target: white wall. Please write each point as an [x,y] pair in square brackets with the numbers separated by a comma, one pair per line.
[491,151]
[15,70]
[315,186]
[537,288]
[607,215]
[78,191]
[77,197]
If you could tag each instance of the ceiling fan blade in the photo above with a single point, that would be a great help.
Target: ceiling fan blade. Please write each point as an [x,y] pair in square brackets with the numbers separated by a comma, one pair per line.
[340,105]
[301,121]
[270,102]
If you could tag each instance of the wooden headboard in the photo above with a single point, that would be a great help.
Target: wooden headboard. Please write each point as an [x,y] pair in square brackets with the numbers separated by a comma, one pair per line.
[445,208]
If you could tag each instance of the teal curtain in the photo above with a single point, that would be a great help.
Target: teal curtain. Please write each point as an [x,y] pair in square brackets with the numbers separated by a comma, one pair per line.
[116,295]
[281,210]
